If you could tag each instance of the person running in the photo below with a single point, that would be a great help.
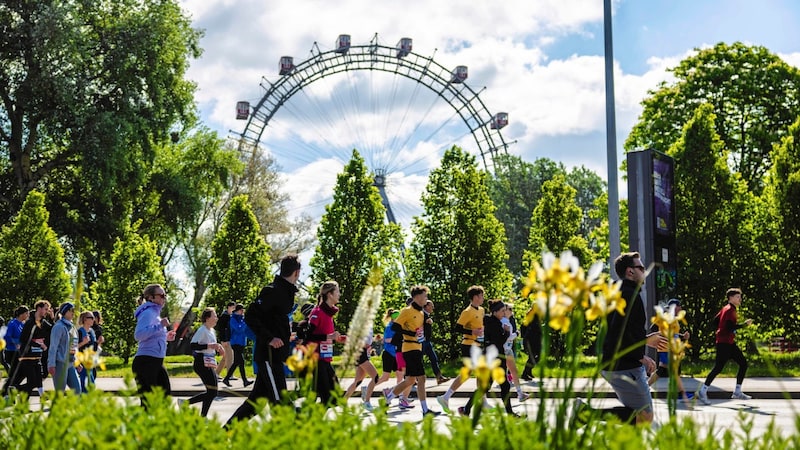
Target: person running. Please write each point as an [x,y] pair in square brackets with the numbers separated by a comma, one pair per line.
[13,346]
[238,341]
[626,366]
[267,317]
[663,359]
[224,335]
[409,323]
[531,344]
[86,339]
[427,346]
[364,367]
[388,360]
[323,333]
[496,336]
[152,333]
[470,325]
[63,346]
[726,348]
[205,347]
[510,325]
[34,337]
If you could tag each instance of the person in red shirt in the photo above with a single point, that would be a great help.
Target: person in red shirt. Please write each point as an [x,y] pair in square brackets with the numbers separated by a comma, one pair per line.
[323,333]
[726,348]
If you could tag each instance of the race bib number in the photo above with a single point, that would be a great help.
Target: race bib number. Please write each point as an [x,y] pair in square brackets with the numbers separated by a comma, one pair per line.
[420,334]
[210,361]
[326,350]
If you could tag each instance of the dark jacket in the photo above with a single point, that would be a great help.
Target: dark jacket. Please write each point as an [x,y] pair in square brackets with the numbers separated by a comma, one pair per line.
[494,333]
[626,331]
[268,317]
[223,327]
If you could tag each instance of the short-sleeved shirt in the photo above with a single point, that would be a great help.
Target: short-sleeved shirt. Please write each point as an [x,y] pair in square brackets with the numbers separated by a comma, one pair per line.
[471,318]
[412,319]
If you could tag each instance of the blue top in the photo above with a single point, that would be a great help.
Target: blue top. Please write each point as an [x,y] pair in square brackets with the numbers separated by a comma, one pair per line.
[13,333]
[151,335]
[387,335]
[239,330]
[63,338]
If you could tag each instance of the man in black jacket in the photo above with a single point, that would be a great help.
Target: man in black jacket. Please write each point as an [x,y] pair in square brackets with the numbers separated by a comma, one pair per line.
[627,370]
[268,318]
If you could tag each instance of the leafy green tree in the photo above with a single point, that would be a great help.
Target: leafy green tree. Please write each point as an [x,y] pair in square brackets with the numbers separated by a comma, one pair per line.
[555,224]
[779,243]
[134,264]
[31,259]
[88,89]
[515,190]
[458,242]
[754,93]
[588,188]
[598,236]
[240,264]
[709,209]
[352,234]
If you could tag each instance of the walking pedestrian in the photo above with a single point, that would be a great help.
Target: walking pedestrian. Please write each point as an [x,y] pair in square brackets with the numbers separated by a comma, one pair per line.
[323,333]
[238,341]
[224,335]
[13,348]
[86,339]
[427,346]
[63,346]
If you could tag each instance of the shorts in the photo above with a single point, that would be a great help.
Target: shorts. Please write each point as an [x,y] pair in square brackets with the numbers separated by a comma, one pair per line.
[363,357]
[401,362]
[414,366]
[631,388]
[466,350]
[389,362]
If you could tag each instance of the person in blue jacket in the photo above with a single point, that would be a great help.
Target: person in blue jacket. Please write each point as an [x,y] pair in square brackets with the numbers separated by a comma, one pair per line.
[152,335]
[238,339]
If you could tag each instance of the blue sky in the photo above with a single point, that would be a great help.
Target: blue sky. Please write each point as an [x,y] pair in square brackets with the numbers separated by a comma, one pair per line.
[540,60]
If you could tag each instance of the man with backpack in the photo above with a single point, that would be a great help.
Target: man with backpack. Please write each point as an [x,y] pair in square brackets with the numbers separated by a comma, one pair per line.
[267,317]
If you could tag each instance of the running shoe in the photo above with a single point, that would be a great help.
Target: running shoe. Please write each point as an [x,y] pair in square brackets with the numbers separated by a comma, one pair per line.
[386,393]
[462,411]
[740,396]
[404,404]
[364,394]
[524,396]
[443,403]
[702,397]
[431,413]
[367,406]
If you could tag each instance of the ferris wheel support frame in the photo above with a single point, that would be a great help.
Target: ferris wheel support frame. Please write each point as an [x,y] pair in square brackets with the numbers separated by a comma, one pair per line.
[373,56]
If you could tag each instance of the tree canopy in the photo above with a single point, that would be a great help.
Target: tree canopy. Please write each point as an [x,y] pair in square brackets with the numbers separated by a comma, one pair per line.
[755,95]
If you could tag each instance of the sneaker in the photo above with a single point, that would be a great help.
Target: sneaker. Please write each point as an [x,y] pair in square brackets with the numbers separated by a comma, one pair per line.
[407,399]
[443,403]
[226,382]
[702,397]
[462,411]
[740,396]
[386,393]
[431,413]
[404,404]
[442,379]
[526,376]
[364,394]
[367,406]
[247,383]
[524,396]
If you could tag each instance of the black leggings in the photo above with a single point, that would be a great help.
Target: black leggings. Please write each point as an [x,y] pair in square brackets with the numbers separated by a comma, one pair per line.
[208,376]
[326,382]
[238,361]
[150,372]
[727,352]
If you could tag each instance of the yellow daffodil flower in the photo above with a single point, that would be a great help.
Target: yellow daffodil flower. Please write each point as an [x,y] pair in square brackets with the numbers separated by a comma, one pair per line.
[89,359]
[2,344]
[303,358]
[486,367]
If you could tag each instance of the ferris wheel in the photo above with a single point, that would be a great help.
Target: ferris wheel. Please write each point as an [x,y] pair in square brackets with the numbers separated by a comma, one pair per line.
[371,98]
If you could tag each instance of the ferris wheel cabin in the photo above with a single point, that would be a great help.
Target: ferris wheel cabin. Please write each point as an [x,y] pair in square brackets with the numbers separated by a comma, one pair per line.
[499,120]
[286,65]
[343,43]
[242,110]
[459,75]
[403,47]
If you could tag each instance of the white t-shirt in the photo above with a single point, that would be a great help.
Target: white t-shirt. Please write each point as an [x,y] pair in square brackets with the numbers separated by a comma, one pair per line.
[205,335]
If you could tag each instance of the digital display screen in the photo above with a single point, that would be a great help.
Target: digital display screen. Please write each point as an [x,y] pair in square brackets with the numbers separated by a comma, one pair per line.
[663,207]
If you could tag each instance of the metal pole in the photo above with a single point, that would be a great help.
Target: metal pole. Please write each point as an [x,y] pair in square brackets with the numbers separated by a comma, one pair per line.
[611,140]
